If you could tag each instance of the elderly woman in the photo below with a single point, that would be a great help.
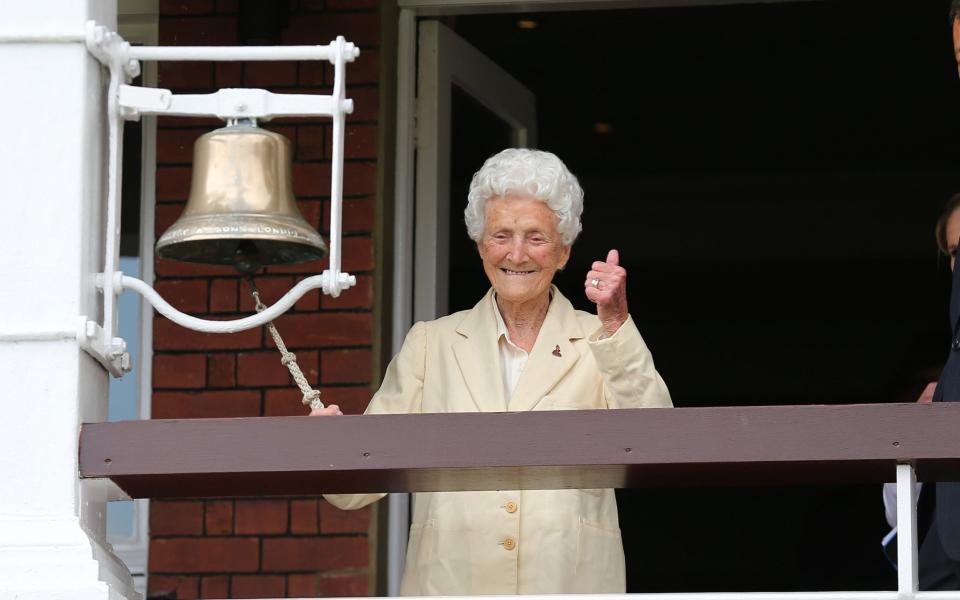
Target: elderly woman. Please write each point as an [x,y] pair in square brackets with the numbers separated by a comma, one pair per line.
[523,211]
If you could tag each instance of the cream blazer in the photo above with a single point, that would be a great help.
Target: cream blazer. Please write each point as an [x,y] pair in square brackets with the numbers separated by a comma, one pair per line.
[514,541]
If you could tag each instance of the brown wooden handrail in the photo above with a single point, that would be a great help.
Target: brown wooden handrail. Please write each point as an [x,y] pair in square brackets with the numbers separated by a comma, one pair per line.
[528,450]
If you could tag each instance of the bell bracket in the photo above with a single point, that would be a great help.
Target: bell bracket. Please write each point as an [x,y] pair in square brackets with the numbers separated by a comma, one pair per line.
[330,283]
[126,102]
[111,353]
[229,103]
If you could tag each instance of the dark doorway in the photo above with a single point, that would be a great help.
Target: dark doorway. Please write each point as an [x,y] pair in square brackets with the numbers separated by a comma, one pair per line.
[771,174]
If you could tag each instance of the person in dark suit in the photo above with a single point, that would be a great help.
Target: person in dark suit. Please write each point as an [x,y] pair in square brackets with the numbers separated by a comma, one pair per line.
[938,510]
[938,507]
[939,554]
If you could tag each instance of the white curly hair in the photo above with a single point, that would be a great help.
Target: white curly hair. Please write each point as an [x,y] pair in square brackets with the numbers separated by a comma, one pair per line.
[521,171]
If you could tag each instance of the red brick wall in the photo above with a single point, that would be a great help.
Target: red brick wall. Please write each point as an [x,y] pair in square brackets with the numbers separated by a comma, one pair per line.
[266,547]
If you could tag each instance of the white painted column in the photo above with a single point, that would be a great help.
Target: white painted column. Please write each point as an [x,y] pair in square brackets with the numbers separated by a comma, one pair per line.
[51,208]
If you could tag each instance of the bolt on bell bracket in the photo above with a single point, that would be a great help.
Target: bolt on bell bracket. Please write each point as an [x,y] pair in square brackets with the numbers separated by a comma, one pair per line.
[126,102]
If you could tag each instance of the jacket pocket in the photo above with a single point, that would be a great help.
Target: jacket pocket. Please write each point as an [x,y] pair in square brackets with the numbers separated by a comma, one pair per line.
[600,564]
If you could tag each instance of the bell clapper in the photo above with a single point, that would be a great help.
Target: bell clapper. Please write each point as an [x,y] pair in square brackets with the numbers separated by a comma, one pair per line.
[246,258]
[311,397]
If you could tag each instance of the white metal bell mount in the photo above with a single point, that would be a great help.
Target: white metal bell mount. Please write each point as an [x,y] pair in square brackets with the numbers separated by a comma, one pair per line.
[126,102]
[230,103]
[324,281]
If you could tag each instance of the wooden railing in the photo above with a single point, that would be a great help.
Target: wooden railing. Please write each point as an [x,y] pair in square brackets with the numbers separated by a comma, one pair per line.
[529,450]
[545,450]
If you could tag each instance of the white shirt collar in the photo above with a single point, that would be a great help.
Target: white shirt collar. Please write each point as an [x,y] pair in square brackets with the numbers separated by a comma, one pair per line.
[501,326]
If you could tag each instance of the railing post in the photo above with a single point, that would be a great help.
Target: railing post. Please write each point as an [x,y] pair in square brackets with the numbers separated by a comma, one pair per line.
[907,579]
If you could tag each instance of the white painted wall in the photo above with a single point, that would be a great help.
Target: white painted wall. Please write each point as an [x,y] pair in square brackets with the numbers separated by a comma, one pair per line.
[52,172]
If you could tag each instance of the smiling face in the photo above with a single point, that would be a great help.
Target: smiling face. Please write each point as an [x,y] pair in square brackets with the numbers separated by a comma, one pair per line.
[521,248]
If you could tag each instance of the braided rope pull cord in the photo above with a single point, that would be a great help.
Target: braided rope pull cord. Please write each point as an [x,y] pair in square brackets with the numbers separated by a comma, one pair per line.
[311,397]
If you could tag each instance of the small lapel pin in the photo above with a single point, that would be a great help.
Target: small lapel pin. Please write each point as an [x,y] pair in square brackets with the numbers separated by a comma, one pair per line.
[556,351]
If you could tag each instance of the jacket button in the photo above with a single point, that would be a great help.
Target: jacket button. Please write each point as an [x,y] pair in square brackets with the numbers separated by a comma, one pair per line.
[956,344]
[510,507]
[509,543]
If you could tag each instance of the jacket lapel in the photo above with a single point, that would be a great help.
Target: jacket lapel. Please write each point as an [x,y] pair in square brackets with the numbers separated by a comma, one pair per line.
[955,301]
[478,357]
[544,368]
[948,386]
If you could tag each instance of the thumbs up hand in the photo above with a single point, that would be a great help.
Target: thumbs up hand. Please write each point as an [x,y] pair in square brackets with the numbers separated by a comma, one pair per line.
[606,286]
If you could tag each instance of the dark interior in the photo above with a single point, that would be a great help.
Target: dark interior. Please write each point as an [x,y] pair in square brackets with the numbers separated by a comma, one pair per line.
[771,174]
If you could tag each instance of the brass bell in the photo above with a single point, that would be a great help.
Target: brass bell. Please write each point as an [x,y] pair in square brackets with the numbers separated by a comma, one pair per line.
[241,210]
